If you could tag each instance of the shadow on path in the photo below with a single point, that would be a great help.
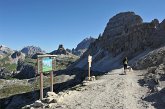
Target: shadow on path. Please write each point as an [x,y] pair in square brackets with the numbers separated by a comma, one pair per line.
[19,100]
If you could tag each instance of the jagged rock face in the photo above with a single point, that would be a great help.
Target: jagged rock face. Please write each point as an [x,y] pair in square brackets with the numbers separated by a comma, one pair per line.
[83,46]
[31,50]
[59,51]
[124,35]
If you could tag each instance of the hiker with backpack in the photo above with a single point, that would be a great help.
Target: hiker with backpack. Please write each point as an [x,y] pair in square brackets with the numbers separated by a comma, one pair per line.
[125,63]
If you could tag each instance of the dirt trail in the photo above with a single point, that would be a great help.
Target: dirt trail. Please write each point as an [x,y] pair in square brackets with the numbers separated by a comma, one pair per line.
[111,91]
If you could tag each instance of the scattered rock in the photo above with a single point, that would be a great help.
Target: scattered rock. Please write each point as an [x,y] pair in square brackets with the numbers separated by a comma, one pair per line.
[38,103]
[51,105]
[51,94]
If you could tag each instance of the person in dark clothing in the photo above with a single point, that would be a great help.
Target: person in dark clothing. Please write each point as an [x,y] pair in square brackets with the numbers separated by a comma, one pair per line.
[125,63]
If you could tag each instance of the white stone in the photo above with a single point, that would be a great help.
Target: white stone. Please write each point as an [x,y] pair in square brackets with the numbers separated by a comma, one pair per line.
[38,103]
[85,83]
[31,107]
[93,78]
[52,105]
[50,94]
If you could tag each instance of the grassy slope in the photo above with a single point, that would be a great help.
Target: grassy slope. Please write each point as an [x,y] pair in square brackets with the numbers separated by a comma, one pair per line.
[9,90]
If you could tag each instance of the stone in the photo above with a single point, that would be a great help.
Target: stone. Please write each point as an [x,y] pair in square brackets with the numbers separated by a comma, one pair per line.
[85,83]
[38,103]
[48,100]
[51,94]
[93,78]
[157,88]
[51,105]
[69,92]
[27,107]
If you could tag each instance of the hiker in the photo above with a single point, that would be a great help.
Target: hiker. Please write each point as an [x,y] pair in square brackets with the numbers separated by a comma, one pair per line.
[125,62]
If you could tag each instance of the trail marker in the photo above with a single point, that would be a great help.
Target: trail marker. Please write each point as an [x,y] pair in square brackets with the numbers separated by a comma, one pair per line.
[89,66]
[45,64]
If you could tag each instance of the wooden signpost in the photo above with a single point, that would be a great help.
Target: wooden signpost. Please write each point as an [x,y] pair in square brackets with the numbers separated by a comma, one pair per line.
[46,64]
[89,66]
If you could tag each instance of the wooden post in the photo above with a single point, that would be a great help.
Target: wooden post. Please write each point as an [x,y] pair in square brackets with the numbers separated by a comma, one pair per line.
[51,81]
[89,76]
[41,78]
[41,86]
[89,66]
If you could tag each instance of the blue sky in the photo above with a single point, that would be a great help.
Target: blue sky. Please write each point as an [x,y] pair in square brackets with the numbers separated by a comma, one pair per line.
[48,23]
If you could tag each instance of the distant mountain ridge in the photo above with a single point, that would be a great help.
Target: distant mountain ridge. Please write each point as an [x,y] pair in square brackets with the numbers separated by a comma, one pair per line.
[83,46]
[5,50]
[32,50]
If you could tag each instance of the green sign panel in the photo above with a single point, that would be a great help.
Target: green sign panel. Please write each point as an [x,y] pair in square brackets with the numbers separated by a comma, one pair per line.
[47,64]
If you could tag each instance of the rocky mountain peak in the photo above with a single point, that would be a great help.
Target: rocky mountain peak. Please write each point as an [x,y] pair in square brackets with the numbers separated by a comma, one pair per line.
[4,51]
[31,50]
[83,46]
[59,51]
[85,43]
[61,47]
[121,22]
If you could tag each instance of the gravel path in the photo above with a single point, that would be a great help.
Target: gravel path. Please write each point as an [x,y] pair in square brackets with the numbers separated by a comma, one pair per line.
[111,91]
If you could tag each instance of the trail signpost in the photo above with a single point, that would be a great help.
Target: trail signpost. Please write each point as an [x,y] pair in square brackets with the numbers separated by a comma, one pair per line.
[45,64]
[89,66]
